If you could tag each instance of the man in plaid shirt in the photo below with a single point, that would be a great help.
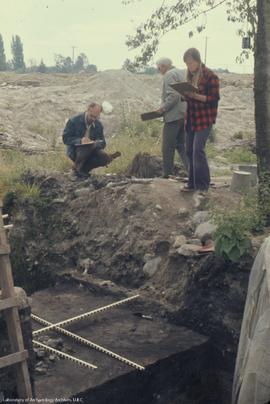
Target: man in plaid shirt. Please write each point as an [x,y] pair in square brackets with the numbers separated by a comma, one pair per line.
[201,115]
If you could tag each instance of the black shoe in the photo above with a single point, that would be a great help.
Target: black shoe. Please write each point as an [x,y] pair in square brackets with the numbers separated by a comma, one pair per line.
[81,174]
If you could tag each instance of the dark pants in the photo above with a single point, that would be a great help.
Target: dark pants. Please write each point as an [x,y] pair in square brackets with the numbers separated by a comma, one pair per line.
[86,160]
[199,174]
[173,139]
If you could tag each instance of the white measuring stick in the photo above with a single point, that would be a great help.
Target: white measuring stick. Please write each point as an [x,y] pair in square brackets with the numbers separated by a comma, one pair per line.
[82,316]
[64,355]
[89,343]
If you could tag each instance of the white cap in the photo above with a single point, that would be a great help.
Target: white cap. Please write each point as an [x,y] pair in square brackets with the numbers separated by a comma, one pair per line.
[107,107]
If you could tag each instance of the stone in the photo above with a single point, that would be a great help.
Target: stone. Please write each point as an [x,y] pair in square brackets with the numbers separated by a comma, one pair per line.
[40,370]
[85,264]
[158,207]
[200,217]
[205,230]
[188,250]
[59,201]
[183,213]
[52,358]
[82,192]
[56,343]
[40,353]
[152,266]
[179,241]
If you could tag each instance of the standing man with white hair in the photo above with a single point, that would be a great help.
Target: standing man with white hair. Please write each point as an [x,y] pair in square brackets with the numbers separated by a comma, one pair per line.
[173,110]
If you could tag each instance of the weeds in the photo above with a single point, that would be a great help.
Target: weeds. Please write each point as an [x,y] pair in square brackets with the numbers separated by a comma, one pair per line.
[235,227]
[240,155]
[14,163]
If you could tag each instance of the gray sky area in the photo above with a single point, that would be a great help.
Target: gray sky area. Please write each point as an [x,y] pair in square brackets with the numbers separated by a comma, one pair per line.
[99,28]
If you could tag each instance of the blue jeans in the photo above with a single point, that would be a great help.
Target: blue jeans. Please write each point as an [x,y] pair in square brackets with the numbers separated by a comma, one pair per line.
[199,174]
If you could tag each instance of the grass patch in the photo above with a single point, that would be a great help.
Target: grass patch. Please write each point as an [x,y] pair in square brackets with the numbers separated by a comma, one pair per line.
[240,155]
[14,163]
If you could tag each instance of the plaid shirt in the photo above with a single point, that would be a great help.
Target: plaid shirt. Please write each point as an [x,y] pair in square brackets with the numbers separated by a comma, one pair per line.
[201,115]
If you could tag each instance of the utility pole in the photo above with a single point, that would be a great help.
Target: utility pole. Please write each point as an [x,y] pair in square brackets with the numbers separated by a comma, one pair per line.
[73,53]
[205,49]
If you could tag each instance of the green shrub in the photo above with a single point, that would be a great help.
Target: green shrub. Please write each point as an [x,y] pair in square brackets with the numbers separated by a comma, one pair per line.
[234,229]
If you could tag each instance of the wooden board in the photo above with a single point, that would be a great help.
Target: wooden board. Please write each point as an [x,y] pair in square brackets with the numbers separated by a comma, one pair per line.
[8,303]
[147,116]
[13,359]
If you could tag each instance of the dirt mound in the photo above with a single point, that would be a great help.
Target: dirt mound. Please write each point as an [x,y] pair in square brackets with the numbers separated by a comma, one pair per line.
[34,107]
[146,166]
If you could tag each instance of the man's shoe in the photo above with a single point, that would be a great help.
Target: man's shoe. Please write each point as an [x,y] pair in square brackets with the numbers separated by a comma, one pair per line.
[81,175]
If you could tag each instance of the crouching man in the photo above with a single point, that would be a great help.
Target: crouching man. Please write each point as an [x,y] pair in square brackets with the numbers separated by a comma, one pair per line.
[85,141]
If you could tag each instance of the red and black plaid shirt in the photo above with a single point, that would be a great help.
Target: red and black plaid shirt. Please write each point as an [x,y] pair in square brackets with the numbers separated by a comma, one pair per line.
[203,114]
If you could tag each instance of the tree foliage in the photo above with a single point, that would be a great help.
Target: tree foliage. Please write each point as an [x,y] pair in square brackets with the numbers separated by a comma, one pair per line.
[17,53]
[3,63]
[42,68]
[167,18]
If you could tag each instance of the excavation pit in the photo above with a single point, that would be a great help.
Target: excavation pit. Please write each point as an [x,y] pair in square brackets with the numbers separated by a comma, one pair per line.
[175,358]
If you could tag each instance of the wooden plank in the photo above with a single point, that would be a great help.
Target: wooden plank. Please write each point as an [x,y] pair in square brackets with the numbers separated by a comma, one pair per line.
[24,388]
[8,303]
[13,359]
[4,249]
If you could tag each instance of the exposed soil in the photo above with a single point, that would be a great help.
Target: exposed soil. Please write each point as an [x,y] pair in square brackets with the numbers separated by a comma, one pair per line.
[118,224]
[34,107]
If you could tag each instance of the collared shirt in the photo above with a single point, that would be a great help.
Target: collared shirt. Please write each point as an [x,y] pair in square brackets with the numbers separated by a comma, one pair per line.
[201,115]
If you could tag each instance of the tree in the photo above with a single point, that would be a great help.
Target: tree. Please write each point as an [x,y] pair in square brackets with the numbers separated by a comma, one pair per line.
[3,63]
[167,18]
[262,103]
[81,62]
[129,66]
[63,64]
[17,53]
[42,68]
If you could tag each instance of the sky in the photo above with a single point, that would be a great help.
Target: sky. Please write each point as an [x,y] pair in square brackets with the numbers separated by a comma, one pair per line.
[99,29]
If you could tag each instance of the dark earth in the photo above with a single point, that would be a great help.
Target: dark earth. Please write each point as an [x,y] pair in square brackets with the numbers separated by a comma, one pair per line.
[84,244]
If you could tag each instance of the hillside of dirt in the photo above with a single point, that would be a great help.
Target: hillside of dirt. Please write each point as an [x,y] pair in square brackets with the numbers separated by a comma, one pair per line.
[34,107]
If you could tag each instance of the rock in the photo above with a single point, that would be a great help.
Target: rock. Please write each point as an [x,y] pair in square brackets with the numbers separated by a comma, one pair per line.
[148,257]
[183,213]
[59,201]
[82,192]
[205,230]
[158,207]
[52,358]
[200,217]
[85,264]
[40,354]
[152,266]
[195,241]
[56,343]
[188,250]
[179,241]
[40,370]
[200,200]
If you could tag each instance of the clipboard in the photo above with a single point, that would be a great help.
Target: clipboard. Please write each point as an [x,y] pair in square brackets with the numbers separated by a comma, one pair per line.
[90,146]
[183,87]
[147,116]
